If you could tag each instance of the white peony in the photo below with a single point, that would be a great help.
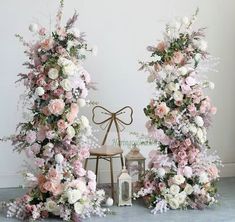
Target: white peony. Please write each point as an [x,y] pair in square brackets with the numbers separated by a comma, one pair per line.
[73,195]
[178,96]
[173,86]
[59,158]
[84,121]
[78,207]
[39,91]
[161,172]
[180,197]
[70,132]
[203,178]
[75,31]
[66,85]
[174,204]
[33,27]
[199,121]
[81,102]
[188,189]
[51,206]
[174,189]
[182,71]
[53,73]
[178,179]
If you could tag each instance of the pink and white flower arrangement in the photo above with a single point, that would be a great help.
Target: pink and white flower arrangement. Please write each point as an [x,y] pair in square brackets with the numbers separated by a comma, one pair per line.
[181,173]
[55,137]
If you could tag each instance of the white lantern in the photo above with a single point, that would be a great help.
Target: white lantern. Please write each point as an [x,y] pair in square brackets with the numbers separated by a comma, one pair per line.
[124,188]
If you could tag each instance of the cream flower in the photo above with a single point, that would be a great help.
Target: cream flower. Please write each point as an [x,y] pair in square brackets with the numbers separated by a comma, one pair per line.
[84,122]
[39,91]
[81,102]
[161,172]
[73,195]
[70,132]
[174,204]
[182,71]
[173,86]
[188,189]
[174,189]
[180,197]
[178,179]
[66,85]
[178,96]
[53,73]
[78,207]
[51,206]
[199,121]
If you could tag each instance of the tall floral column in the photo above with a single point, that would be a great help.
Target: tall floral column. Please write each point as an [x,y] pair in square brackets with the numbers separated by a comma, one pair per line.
[54,137]
[181,173]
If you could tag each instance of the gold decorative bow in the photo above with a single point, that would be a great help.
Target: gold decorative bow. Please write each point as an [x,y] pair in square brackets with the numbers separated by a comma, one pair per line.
[112,117]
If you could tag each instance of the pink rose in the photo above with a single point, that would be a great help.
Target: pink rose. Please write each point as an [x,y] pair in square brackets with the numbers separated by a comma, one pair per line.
[58,189]
[39,162]
[192,109]
[49,186]
[36,148]
[47,44]
[213,171]
[188,142]
[29,153]
[161,46]
[84,153]
[162,110]
[56,106]
[213,110]
[91,176]
[31,137]
[58,92]
[185,89]
[92,185]
[62,125]
[190,81]
[50,134]
[178,58]
[54,175]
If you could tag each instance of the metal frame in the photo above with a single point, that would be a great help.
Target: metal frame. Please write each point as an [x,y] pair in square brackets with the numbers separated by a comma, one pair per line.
[118,122]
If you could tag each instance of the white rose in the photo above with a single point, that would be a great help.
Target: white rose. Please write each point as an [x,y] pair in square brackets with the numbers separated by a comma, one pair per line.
[70,132]
[74,31]
[197,57]
[188,189]
[173,86]
[81,102]
[151,78]
[66,85]
[33,27]
[174,189]
[199,134]
[73,196]
[174,204]
[39,91]
[161,172]
[84,122]
[63,61]
[193,129]
[185,20]
[178,179]
[51,206]
[178,96]
[180,197]
[182,71]
[59,158]
[168,197]
[53,73]
[199,121]
[70,69]
[203,178]
[78,207]
[184,130]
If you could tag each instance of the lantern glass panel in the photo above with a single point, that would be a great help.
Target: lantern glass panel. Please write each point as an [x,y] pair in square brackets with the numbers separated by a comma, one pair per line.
[125,191]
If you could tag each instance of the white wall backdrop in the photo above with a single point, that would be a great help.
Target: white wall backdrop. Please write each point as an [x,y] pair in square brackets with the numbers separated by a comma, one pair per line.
[122,29]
